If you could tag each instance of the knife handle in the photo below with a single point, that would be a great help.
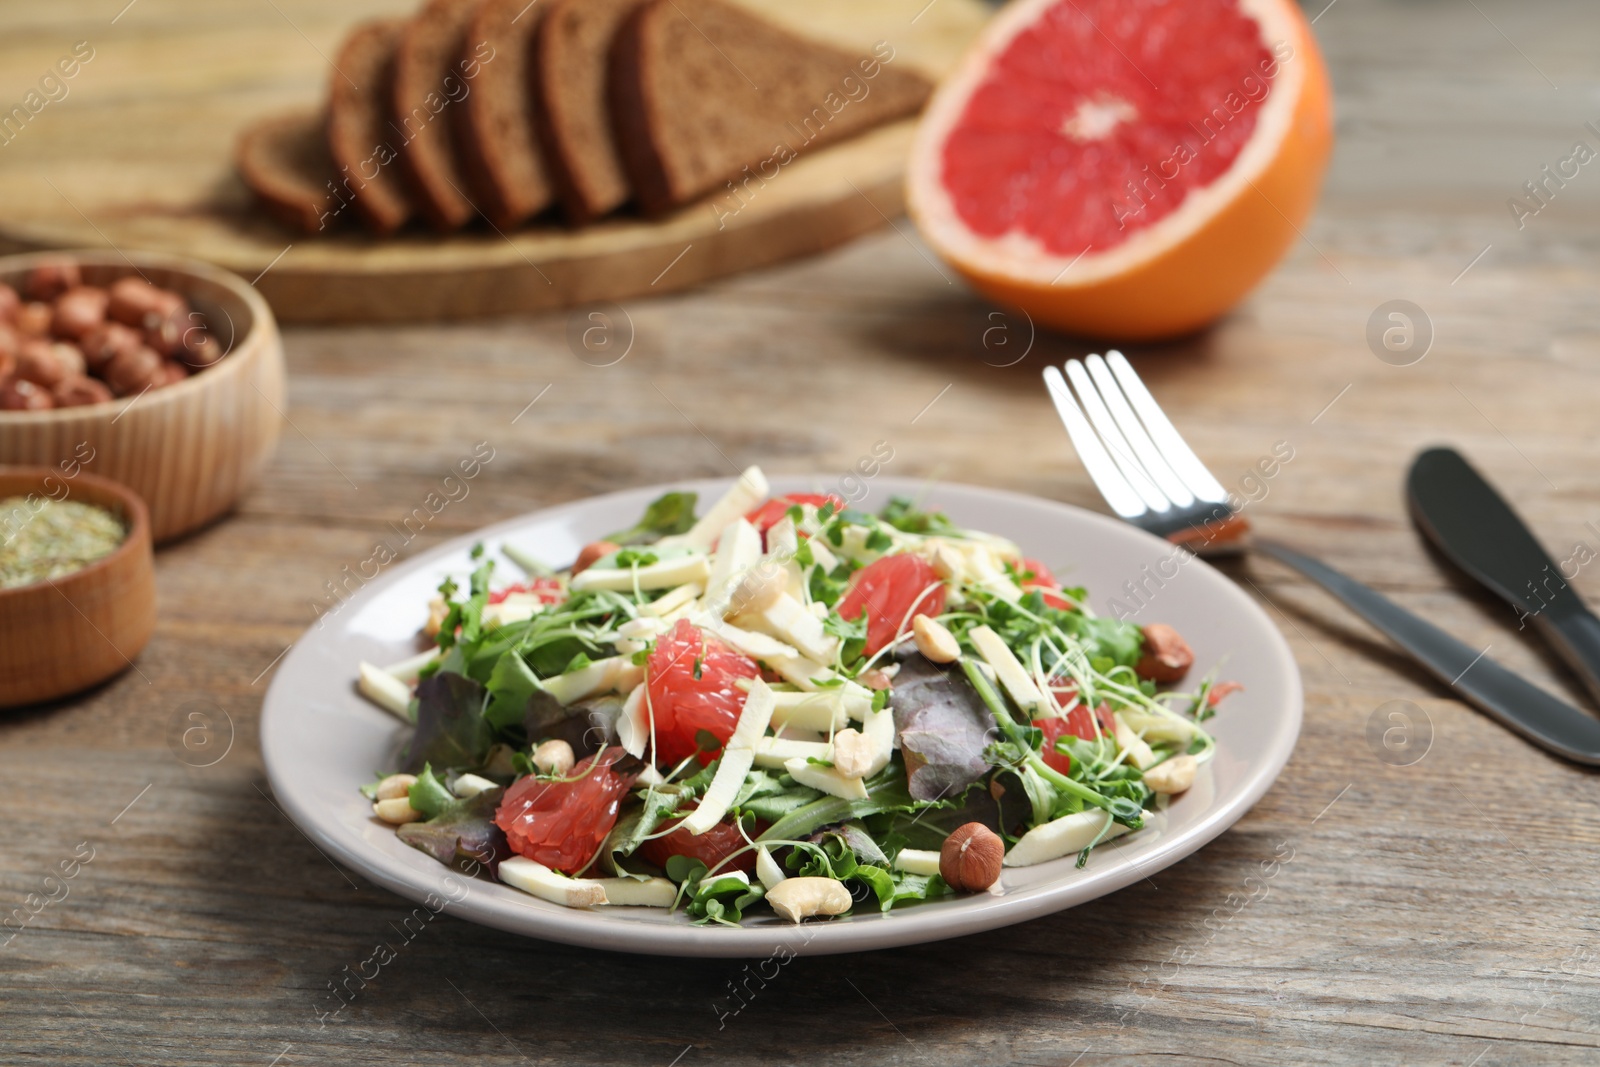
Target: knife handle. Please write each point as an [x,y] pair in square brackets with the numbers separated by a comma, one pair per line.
[1545,720]
[1576,636]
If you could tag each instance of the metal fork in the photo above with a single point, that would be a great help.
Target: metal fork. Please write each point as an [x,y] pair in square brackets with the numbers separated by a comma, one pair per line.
[1141,464]
[1153,479]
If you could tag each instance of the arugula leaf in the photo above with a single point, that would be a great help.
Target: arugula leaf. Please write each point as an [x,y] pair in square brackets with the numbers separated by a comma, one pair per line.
[639,823]
[549,653]
[671,513]
[451,730]
[831,858]
[856,838]
[850,855]
[886,791]
[893,887]
[928,827]
[512,684]
[770,796]
[658,806]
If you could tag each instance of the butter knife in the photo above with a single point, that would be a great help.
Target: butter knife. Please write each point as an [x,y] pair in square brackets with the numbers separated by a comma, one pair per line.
[1476,529]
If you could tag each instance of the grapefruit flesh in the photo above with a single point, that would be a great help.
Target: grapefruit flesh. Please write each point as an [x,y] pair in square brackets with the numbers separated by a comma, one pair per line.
[1126,168]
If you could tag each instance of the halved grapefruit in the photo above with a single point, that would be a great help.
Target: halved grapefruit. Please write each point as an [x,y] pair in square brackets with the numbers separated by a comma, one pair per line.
[1125,168]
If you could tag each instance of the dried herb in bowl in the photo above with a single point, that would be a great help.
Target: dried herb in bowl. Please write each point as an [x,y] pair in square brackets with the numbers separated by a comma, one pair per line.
[42,539]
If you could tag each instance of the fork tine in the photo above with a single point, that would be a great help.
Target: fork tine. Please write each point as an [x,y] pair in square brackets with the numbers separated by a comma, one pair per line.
[1133,430]
[1106,426]
[1112,485]
[1166,437]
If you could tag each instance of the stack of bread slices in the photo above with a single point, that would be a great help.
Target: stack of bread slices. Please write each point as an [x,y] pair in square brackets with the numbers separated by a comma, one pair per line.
[507,109]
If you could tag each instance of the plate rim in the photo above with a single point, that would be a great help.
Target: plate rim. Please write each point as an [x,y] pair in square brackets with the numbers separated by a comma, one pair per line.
[593,929]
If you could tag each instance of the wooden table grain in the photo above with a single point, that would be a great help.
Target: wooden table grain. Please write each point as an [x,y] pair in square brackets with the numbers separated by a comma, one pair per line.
[1440,911]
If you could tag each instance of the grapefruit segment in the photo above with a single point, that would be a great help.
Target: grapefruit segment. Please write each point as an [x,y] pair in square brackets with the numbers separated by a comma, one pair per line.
[1125,168]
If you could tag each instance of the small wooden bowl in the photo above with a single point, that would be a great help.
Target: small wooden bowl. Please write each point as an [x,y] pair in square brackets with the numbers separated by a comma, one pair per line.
[190,449]
[64,635]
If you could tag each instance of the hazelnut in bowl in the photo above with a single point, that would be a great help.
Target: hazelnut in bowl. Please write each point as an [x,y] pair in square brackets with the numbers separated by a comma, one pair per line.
[166,373]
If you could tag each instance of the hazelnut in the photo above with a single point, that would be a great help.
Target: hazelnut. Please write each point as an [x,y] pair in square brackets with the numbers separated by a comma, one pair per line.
[134,372]
[33,320]
[69,356]
[80,390]
[10,302]
[52,278]
[198,349]
[1167,656]
[39,362]
[165,332]
[107,341]
[10,341]
[173,372]
[970,858]
[19,394]
[135,302]
[77,311]
[592,551]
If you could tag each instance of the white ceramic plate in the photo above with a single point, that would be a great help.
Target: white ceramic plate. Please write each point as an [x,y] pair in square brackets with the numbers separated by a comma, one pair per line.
[320,740]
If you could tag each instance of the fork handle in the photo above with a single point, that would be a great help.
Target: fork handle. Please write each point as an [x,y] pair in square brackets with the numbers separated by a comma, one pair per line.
[1512,701]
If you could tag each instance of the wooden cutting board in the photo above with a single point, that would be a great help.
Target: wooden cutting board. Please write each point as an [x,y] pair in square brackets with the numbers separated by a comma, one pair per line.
[137,156]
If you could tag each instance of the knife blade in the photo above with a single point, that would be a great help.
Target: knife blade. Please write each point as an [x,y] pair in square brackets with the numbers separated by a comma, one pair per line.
[1506,697]
[1460,512]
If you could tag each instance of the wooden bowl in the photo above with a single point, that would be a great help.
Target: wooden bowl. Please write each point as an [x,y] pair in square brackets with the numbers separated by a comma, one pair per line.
[66,634]
[190,449]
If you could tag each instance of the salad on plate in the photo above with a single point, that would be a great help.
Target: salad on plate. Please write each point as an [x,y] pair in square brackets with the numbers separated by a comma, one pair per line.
[783,704]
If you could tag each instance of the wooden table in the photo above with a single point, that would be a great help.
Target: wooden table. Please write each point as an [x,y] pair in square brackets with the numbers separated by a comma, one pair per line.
[1440,912]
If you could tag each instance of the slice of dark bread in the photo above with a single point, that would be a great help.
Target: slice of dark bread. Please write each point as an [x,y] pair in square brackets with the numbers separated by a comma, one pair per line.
[495,139]
[284,160]
[358,125]
[571,51]
[704,93]
[429,86]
